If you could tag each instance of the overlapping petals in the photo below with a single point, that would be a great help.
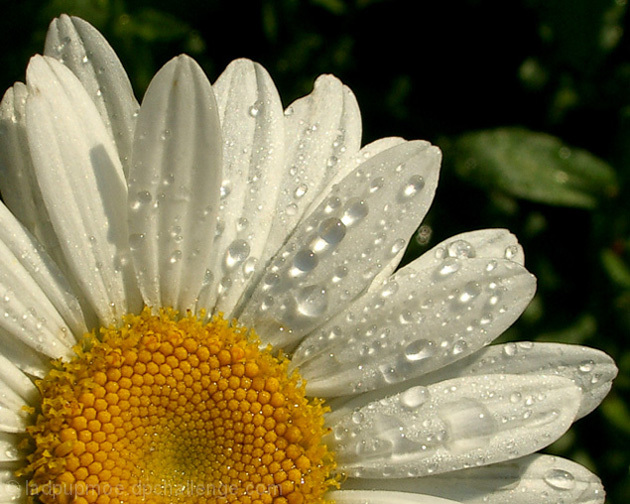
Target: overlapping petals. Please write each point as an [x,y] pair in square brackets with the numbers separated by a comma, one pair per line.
[214,198]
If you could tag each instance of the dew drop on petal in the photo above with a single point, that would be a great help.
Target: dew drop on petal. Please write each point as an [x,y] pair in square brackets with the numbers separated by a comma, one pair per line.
[305,260]
[449,266]
[398,246]
[236,253]
[332,231]
[311,301]
[418,350]
[461,249]
[355,211]
[175,257]
[559,479]
[300,191]
[412,187]
[414,397]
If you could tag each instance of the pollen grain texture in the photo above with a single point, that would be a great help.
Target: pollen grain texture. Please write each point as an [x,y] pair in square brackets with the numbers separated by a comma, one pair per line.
[166,409]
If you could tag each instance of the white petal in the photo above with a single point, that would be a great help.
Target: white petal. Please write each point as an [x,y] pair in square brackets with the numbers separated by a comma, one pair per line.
[322,129]
[174,185]
[12,489]
[535,479]
[23,248]
[452,425]
[9,447]
[83,187]
[79,46]
[17,175]
[28,315]
[591,370]
[17,382]
[417,322]
[338,249]
[379,497]
[252,124]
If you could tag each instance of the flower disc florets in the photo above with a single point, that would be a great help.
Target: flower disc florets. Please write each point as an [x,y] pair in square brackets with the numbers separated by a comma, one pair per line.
[168,409]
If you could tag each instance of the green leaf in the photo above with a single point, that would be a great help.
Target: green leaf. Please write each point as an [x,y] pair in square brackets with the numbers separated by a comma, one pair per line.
[533,166]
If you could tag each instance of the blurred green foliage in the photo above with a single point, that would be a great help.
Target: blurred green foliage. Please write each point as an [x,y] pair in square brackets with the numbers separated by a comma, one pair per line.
[529,99]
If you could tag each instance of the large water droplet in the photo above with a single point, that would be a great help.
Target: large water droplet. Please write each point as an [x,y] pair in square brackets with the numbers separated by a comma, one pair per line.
[469,425]
[300,191]
[332,231]
[175,257]
[471,291]
[414,397]
[418,350]
[311,301]
[355,211]
[449,266]
[559,479]
[461,249]
[412,187]
[304,261]
[236,253]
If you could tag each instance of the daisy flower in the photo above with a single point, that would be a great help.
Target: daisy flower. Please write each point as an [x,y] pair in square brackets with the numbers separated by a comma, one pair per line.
[201,303]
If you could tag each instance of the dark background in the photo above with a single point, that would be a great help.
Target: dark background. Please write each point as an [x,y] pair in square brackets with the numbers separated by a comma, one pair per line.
[529,100]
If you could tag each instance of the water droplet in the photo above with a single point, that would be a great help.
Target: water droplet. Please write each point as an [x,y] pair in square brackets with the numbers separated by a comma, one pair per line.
[332,231]
[459,346]
[412,187]
[492,265]
[559,479]
[236,253]
[289,111]
[461,249]
[249,266]
[332,204]
[357,417]
[165,134]
[226,188]
[469,424]
[510,349]
[511,252]
[515,397]
[418,350]
[255,109]
[355,211]
[175,256]
[586,366]
[135,240]
[414,397]
[292,209]
[398,246]
[471,291]
[305,260]
[311,301]
[242,224]
[300,191]
[449,266]
[332,161]
[376,184]
[85,60]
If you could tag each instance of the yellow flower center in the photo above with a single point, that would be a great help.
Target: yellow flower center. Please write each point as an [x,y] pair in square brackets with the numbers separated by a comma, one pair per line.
[167,409]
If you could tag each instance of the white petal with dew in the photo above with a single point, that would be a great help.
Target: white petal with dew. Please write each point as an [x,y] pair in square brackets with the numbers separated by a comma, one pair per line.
[12,489]
[17,175]
[487,243]
[252,125]
[417,322]
[451,425]
[14,380]
[23,248]
[591,370]
[83,187]
[383,497]
[342,245]
[322,130]
[174,185]
[28,314]
[535,479]
[9,447]
[80,47]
